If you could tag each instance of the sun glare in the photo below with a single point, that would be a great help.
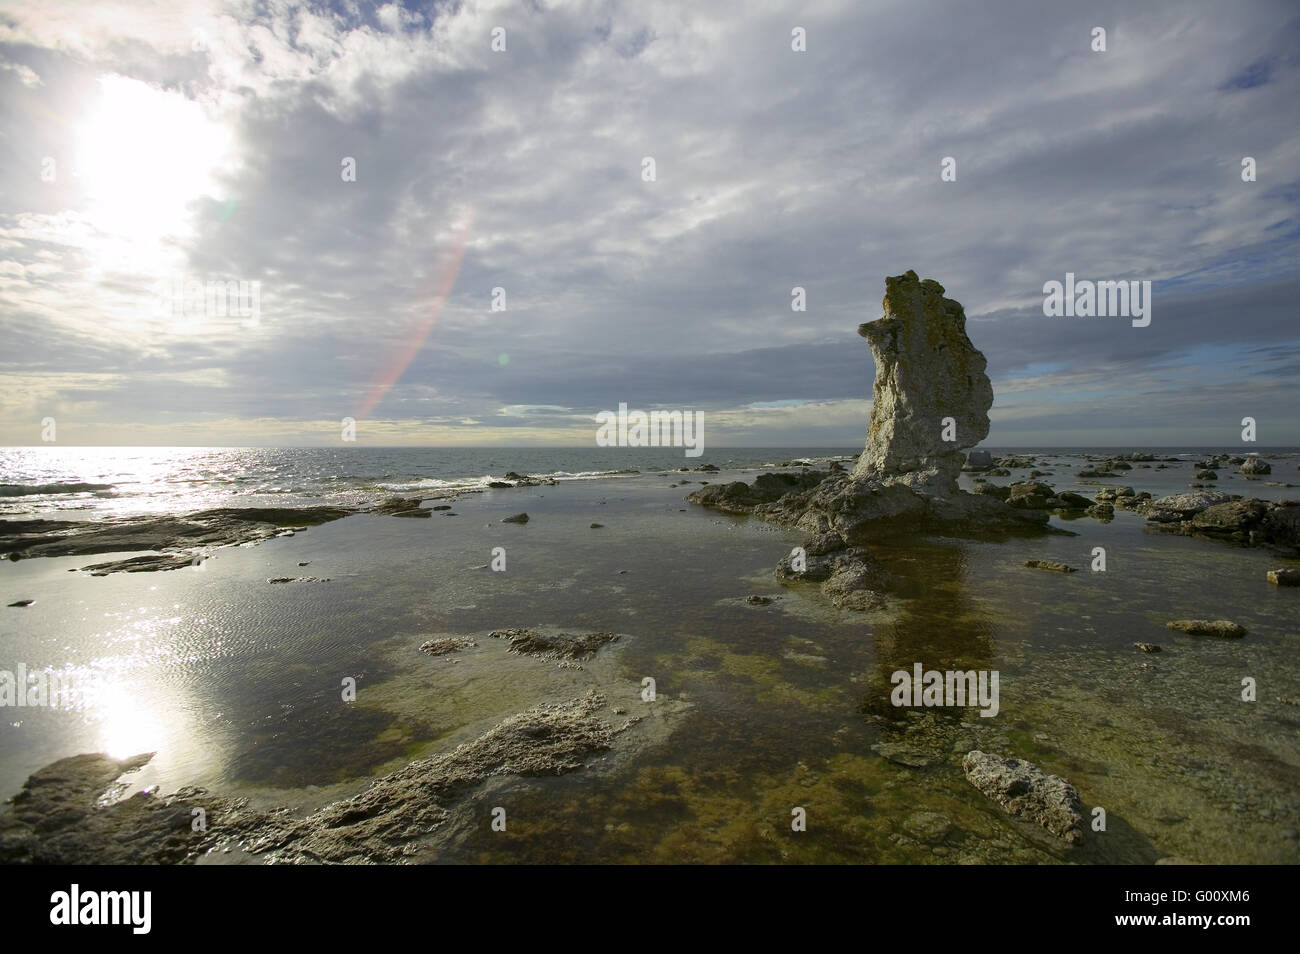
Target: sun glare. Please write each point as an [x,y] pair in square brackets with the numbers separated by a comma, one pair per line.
[144,154]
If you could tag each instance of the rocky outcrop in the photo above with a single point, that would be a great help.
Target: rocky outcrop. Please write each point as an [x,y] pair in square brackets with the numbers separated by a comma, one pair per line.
[1182,506]
[1255,467]
[1026,791]
[742,498]
[1284,577]
[177,541]
[931,395]
[1247,521]
[850,576]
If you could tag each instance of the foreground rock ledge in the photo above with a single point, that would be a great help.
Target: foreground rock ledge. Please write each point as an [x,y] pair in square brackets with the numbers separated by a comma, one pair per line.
[56,818]
[1024,790]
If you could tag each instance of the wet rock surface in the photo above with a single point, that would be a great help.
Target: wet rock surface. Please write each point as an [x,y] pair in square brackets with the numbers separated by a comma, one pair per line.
[1223,628]
[531,642]
[851,577]
[1026,791]
[1244,521]
[57,818]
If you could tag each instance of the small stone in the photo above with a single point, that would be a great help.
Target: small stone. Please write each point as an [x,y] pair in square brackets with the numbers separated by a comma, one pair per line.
[516,518]
[23,603]
[1049,565]
[1148,647]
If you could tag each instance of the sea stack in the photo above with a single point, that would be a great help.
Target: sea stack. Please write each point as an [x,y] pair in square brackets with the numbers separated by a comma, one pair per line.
[931,402]
[931,396]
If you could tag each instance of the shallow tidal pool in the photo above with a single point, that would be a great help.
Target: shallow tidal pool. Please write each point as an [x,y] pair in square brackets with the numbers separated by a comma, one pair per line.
[759,710]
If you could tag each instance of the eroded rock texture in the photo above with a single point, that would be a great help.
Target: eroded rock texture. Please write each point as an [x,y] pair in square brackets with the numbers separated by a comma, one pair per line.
[931,396]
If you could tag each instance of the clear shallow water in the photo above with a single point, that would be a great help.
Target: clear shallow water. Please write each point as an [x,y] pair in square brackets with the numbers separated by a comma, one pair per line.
[234,682]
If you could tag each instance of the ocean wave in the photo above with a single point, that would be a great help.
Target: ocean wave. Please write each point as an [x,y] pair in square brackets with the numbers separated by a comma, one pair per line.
[482,481]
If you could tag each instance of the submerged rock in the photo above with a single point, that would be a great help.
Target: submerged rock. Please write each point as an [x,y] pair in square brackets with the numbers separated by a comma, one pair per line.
[446,644]
[1148,647]
[1280,577]
[1208,627]
[144,564]
[516,518]
[1026,791]
[1050,565]
[850,576]
[553,645]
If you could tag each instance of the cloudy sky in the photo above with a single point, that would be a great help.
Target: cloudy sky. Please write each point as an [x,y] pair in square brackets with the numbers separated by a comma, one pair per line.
[150,145]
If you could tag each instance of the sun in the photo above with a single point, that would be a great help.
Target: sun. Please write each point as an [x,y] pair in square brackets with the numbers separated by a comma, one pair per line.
[143,156]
